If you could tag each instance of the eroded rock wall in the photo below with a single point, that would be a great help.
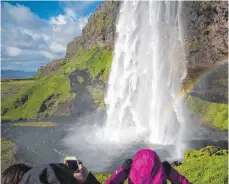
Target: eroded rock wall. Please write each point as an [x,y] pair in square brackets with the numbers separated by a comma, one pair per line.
[99,31]
[206,33]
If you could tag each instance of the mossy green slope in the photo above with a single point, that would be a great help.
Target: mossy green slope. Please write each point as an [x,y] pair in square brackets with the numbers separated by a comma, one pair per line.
[207,165]
[11,88]
[214,114]
[97,61]
[27,103]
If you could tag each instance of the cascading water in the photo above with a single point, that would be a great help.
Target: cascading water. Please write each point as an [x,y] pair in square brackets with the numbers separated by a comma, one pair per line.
[147,71]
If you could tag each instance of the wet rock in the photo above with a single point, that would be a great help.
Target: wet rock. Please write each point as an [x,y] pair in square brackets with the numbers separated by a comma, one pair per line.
[49,103]
[206,34]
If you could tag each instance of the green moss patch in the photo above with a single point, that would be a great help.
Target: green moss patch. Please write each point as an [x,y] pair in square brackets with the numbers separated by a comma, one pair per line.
[8,151]
[213,114]
[96,61]
[207,165]
[80,79]
[35,124]
[102,177]
[105,176]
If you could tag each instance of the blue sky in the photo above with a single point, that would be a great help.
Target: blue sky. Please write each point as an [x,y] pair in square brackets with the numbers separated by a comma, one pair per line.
[35,33]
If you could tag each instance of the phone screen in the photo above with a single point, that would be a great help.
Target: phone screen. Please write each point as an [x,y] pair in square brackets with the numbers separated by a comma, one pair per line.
[73,165]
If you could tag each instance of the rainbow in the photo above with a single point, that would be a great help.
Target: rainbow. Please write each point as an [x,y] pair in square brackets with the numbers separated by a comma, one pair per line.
[183,92]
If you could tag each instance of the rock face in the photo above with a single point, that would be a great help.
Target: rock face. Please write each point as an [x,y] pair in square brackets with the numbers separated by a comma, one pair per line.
[52,66]
[206,34]
[99,31]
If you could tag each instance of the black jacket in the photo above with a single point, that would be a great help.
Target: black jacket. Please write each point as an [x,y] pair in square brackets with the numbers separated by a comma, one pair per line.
[53,174]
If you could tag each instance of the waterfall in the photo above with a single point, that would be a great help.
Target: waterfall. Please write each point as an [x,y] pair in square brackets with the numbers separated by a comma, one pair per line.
[147,71]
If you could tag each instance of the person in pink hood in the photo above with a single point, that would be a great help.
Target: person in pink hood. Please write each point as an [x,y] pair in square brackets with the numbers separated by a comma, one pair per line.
[146,168]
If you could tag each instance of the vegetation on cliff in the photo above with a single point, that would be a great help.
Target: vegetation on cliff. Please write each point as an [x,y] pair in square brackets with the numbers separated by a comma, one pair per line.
[28,103]
[99,31]
[207,165]
[214,114]
[43,96]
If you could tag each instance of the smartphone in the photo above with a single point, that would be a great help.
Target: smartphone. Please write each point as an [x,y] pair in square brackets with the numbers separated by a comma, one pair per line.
[72,163]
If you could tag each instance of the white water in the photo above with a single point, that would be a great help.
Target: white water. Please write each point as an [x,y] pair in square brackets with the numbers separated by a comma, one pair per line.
[147,71]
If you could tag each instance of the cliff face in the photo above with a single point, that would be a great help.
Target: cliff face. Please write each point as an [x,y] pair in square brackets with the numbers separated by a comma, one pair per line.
[52,66]
[206,34]
[99,31]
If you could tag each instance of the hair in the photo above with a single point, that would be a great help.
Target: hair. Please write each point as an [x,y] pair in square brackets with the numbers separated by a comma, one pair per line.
[14,173]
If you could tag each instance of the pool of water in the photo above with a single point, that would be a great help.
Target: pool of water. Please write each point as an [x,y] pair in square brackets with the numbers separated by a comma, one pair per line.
[37,145]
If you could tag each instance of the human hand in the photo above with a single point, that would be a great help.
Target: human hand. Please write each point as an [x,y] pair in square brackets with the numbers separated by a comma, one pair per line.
[82,175]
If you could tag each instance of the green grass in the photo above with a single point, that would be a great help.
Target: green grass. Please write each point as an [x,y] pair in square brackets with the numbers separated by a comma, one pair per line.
[102,177]
[8,151]
[27,102]
[80,79]
[207,165]
[9,89]
[35,124]
[96,61]
[213,114]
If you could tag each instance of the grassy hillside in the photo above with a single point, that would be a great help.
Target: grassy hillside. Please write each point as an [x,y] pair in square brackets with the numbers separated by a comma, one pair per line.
[213,114]
[207,165]
[42,97]
[9,89]
[27,103]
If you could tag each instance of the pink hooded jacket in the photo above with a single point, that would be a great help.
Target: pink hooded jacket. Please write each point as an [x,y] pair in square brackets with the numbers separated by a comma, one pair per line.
[147,168]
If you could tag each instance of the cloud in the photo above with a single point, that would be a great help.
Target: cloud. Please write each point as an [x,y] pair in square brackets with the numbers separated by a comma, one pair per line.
[59,20]
[83,8]
[83,21]
[57,48]
[29,41]
[13,51]
[47,54]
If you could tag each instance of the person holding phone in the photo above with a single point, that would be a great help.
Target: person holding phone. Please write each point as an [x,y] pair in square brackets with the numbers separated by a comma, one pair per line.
[81,173]
[71,171]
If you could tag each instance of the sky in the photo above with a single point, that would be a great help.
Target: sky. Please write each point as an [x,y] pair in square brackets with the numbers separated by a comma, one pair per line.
[33,33]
